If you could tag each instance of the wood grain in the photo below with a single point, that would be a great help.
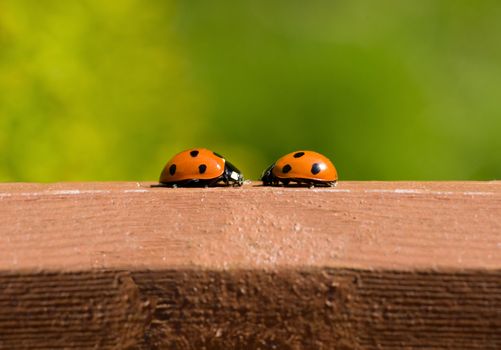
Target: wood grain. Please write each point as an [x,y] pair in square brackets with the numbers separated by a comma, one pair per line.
[364,265]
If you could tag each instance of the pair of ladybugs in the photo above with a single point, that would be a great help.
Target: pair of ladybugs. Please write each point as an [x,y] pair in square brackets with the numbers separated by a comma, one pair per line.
[202,167]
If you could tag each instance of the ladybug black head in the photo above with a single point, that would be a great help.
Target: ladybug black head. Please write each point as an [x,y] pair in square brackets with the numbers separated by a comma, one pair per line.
[268,176]
[232,174]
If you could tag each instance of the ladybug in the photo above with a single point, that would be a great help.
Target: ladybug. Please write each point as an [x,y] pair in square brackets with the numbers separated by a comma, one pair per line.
[199,167]
[303,167]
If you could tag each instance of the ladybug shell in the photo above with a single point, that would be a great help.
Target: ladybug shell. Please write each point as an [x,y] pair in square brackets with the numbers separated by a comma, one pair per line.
[305,165]
[197,163]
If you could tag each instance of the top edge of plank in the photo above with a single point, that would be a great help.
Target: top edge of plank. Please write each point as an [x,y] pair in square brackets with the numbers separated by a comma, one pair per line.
[364,225]
[397,187]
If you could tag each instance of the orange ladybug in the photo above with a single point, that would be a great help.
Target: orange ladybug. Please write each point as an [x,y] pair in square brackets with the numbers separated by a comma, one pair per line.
[199,167]
[303,167]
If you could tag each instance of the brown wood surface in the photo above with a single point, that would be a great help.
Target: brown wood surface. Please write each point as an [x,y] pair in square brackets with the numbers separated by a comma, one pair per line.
[364,265]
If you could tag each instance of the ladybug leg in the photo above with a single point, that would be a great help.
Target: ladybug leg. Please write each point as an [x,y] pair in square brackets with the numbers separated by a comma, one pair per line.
[215,181]
[225,180]
[285,182]
[310,184]
[238,183]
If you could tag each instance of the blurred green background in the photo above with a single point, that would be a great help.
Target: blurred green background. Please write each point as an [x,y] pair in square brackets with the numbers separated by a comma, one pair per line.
[389,90]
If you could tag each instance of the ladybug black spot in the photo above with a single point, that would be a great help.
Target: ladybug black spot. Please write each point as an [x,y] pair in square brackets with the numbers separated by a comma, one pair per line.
[194,153]
[218,155]
[172,169]
[202,168]
[315,168]
[298,154]
[286,168]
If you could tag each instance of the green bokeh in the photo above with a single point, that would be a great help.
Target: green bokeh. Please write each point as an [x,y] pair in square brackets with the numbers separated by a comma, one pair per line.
[389,90]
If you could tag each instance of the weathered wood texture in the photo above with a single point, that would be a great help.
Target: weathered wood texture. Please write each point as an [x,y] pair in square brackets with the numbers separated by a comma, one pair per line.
[363,266]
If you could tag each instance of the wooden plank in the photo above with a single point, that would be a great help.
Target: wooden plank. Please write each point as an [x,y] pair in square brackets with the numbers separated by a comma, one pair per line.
[363,265]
